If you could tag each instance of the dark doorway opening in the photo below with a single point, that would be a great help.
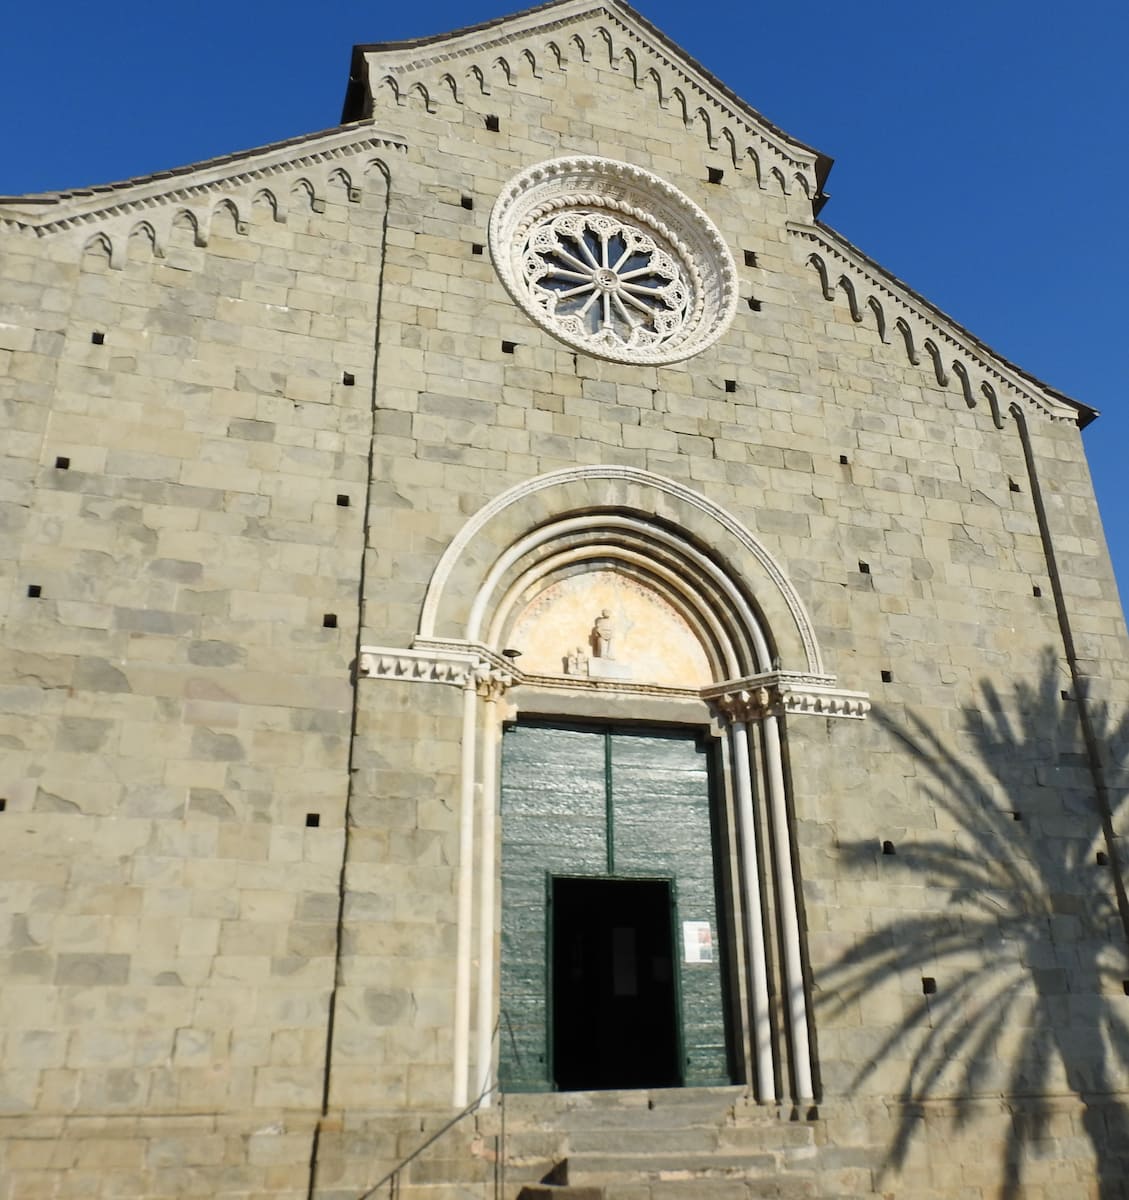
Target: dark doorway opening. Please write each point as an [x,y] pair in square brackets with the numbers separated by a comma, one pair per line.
[615,1008]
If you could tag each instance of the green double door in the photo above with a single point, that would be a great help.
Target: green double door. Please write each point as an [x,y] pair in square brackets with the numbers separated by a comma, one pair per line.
[612,965]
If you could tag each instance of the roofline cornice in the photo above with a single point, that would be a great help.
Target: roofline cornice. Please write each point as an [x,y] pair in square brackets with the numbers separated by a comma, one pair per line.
[873,292]
[51,212]
[373,62]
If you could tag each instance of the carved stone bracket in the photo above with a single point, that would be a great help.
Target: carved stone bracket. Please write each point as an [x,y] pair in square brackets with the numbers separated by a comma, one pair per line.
[456,663]
[776,693]
[380,662]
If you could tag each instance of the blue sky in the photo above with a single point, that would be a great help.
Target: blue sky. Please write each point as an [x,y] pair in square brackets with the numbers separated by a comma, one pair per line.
[979,145]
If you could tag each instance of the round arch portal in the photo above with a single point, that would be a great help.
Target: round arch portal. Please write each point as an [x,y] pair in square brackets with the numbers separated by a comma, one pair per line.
[725,574]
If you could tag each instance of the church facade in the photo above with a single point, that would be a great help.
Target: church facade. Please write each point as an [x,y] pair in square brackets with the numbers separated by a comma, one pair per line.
[531,664]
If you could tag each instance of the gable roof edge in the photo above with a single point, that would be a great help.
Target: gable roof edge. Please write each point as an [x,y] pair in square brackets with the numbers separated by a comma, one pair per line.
[1049,402]
[49,212]
[404,57]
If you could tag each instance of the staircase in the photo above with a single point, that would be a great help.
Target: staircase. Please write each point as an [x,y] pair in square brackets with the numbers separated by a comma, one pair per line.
[661,1144]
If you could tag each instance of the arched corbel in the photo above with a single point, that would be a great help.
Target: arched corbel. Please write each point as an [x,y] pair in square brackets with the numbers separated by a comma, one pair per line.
[656,79]
[902,326]
[778,175]
[306,188]
[875,306]
[577,41]
[186,219]
[423,94]
[754,158]
[805,186]
[558,55]
[479,78]
[529,57]
[229,207]
[144,232]
[961,373]
[389,81]
[705,116]
[629,57]
[938,363]
[265,198]
[731,141]
[824,280]
[676,95]
[502,64]
[852,298]
[341,176]
[448,81]
[605,37]
[102,248]
[989,393]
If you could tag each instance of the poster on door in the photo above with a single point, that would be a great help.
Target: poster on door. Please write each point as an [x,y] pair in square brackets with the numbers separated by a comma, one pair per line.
[697,942]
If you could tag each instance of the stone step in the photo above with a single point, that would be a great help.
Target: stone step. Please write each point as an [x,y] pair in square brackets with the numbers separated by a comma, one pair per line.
[692,1139]
[600,1168]
[713,1189]
[574,1109]
[597,1139]
[559,1191]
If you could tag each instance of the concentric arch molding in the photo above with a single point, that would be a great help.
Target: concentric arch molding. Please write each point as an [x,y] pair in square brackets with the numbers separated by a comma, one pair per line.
[519,493]
[613,260]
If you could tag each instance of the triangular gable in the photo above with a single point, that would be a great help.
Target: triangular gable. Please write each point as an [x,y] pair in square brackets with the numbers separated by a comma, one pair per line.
[565,36]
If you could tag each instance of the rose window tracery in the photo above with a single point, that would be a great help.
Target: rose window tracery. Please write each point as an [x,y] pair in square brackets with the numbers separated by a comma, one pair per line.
[613,260]
[604,280]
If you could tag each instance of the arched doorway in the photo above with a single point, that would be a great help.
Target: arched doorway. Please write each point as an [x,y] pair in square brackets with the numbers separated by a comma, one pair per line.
[625,604]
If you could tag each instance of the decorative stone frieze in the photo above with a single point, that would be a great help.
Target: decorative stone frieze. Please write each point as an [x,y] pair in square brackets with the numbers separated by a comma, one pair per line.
[456,663]
[923,331]
[381,662]
[778,693]
[299,170]
[455,68]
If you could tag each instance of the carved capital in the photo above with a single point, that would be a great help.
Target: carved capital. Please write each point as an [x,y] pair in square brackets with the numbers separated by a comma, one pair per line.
[491,682]
[746,704]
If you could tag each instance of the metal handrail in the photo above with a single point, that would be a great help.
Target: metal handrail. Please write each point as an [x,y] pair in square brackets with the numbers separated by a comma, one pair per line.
[392,1175]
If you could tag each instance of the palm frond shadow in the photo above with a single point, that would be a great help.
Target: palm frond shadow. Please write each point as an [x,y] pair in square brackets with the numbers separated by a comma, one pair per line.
[1029,952]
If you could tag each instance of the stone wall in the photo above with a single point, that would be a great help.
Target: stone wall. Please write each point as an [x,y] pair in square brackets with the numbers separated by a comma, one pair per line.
[226,429]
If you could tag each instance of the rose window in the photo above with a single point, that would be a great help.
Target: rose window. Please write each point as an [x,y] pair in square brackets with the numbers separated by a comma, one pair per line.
[613,260]
[601,279]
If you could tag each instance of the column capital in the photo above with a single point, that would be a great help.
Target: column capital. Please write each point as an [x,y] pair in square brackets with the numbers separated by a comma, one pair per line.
[492,682]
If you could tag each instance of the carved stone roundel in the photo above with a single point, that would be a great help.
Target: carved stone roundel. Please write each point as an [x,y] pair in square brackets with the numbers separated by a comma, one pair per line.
[613,260]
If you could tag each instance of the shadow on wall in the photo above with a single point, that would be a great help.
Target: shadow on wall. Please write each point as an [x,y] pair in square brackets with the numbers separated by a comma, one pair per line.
[1029,957]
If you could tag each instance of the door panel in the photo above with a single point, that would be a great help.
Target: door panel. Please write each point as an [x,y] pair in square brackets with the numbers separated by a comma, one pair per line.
[606,803]
[660,792]
[554,820]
